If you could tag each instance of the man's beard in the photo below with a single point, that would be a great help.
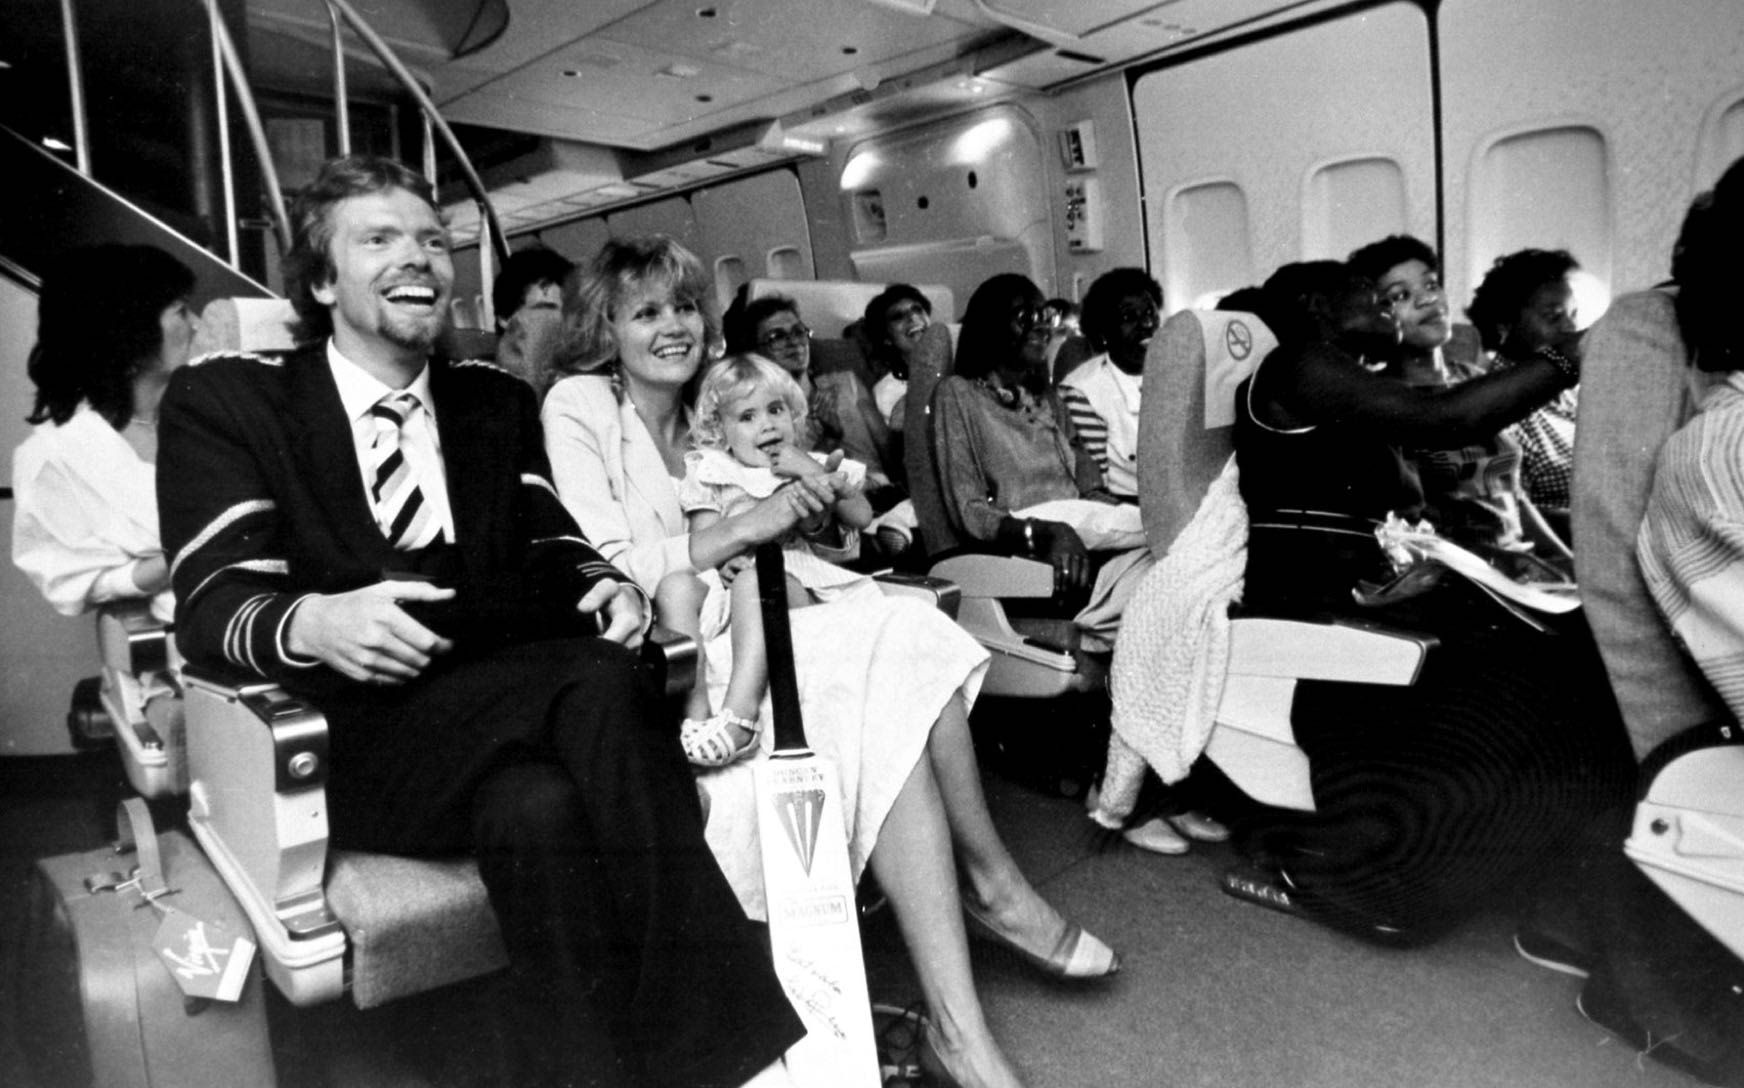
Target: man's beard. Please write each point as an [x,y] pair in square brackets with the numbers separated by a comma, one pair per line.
[411,334]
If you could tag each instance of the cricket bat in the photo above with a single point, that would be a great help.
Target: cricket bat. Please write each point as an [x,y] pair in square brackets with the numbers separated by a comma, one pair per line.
[807,880]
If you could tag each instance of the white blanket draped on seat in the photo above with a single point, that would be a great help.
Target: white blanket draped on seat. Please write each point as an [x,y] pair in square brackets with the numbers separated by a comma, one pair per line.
[1172,655]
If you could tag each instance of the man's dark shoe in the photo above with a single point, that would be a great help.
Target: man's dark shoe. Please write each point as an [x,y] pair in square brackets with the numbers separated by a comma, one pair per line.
[1602,1005]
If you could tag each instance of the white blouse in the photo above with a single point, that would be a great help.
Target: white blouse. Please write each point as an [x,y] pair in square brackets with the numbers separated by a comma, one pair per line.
[85,514]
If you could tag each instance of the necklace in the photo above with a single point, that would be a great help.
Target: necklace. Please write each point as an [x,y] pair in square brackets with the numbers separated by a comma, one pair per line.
[144,422]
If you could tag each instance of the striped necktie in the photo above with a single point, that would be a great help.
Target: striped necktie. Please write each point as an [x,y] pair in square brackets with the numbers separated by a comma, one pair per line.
[400,509]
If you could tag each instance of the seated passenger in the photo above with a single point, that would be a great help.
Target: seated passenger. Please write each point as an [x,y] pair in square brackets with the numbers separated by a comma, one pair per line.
[1120,317]
[749,416]
[891,328]
[1473,492]
[1524,305]
[85,526]
[528,299]
[844,415]
[1006,446]
[885,684]
[448,624]
[1431,797]
[1658,981]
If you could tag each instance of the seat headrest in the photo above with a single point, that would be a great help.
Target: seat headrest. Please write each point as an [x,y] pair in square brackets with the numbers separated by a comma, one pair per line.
[258,325]
[1234,343]
[1186,420]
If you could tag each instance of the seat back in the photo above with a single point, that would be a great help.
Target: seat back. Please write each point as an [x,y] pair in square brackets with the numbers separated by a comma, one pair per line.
[1636,390]
[1186,434]
[1066,354]
[1186,420]
[265,326]
[932,361]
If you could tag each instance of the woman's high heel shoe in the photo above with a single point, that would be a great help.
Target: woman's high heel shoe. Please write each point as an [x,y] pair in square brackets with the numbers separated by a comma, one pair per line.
[1077,956]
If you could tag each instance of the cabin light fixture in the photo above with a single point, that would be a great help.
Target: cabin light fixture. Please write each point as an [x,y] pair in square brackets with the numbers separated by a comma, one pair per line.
[54,144]
[921,8]
[585,62]
[776,139]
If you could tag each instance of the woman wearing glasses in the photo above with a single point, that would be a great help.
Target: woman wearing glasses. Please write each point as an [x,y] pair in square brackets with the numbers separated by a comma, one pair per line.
[1005,444]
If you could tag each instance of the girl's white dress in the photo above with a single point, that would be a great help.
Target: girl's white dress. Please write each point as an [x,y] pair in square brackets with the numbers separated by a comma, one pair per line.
[874,673]
[716,480]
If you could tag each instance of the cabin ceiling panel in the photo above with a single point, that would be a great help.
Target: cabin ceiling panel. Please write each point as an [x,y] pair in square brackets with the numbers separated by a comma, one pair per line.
[1075,17]
[630,81]
[1147,31]
[795,41]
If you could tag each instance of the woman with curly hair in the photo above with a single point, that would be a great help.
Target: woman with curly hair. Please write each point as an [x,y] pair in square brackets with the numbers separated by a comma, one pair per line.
[1526,303]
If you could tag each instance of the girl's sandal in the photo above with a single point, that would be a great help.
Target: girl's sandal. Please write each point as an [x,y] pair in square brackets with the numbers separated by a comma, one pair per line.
[709,743]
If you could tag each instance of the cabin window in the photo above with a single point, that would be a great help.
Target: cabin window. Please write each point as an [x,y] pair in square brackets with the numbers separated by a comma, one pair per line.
[869,222]
[1206,227]
[786,263]
[729,277]
[1351,203]
[1548,188]
[1722,143]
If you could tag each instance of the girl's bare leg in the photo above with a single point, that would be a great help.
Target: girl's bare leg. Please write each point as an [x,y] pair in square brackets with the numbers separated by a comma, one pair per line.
[750,677]
[678,605]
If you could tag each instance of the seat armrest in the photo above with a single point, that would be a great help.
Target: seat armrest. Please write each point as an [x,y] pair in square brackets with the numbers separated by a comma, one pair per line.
[980,574]
[130,639]
[258,760]
[1335,650]
[941,593]
[672,656]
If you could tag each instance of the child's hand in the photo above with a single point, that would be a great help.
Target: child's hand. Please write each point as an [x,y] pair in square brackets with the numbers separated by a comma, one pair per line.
[841,486]
[794,463]
[732,567]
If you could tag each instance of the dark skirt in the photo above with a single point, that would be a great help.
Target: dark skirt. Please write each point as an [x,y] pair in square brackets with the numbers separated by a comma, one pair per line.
[1435,798]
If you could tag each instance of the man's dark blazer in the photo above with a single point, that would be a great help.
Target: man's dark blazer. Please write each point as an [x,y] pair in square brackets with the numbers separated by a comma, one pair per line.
[261,502]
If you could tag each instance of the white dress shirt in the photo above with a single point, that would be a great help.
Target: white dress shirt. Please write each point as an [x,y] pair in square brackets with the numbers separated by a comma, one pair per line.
[420,440]
[85,515]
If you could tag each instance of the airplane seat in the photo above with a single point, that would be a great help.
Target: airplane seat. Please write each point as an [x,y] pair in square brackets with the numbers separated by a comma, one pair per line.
[140,666]
[327,921]
[1186,435]
[458,343]
[830,355]
[1688,829]
[1031,658]
[1687,834]
[1066,354]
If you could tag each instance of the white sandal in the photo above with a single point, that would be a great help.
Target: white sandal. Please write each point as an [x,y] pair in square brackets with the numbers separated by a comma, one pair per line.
[709,743]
